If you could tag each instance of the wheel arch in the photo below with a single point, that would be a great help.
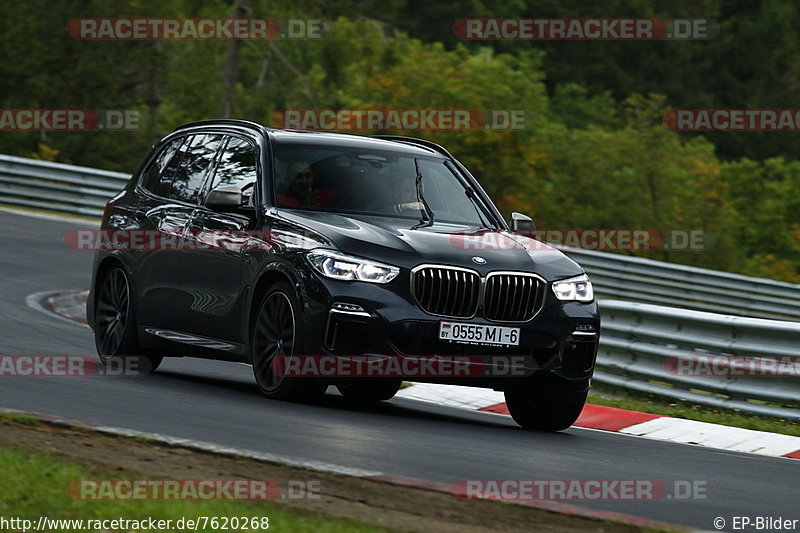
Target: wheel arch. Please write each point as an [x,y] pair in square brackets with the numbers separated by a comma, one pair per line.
[104,267]
[265,281]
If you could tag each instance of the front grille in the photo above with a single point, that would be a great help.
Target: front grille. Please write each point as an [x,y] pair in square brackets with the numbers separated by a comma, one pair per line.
[446,291]
[456,293]
[510,297]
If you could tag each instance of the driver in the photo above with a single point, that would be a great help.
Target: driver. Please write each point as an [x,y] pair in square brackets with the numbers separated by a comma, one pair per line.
[301,191]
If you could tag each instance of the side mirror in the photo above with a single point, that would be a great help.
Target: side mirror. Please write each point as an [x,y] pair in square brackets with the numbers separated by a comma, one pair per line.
[522,224]
[225,198]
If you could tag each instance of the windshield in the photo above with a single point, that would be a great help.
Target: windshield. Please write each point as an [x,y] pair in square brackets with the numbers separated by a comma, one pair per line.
[372,182]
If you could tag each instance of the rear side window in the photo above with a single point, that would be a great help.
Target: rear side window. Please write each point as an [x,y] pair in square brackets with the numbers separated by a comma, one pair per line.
[237,168]
[194,165]
[153,181]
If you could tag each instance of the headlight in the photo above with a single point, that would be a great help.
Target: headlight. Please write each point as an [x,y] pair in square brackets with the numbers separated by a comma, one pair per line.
[345,267]
[574,289]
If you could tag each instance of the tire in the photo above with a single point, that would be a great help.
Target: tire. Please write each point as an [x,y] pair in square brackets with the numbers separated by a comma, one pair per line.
[115,326]
[370,390]
[279,329]
[548,405]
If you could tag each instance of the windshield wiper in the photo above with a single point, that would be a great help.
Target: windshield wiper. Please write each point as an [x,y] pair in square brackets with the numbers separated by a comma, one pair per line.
[427,211]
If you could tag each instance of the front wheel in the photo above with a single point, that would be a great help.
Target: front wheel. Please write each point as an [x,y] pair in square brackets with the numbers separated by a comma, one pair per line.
[546,405]
[115,326]
[278,331]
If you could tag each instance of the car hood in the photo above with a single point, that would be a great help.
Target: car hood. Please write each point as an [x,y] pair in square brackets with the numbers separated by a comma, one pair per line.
[392,240]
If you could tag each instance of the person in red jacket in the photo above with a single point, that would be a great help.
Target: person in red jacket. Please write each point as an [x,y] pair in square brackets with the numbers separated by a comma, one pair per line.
[300,192]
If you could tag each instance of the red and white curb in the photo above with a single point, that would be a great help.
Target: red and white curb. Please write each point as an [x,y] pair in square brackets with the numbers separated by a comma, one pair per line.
[646,425]
[68,305]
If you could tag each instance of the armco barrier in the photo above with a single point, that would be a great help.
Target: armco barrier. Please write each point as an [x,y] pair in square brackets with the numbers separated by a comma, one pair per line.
[639,343]
[56,186]
[621,277]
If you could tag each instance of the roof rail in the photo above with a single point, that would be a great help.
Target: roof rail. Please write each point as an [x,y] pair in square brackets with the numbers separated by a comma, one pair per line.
[413,140]
[224,121]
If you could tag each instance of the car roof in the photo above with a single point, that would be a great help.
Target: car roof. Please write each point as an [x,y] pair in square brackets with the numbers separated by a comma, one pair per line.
[348,141]
[306,137]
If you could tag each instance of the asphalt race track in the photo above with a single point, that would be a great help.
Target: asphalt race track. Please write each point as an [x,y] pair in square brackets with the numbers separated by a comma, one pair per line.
[218,402]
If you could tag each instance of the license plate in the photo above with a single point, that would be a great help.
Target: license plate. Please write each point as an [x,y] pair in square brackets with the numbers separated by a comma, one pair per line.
[478,334]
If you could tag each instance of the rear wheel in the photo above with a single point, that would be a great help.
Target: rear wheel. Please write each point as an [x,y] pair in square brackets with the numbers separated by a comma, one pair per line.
[370,390]
[279,330]
[546,405]
[115,332]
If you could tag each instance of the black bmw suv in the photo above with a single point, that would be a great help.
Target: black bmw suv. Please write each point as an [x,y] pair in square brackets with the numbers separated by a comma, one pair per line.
[299,243]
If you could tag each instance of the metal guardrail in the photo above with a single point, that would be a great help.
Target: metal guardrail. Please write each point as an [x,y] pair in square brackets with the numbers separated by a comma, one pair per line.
[641,344]
[637,339]
[629,278]
[56,186]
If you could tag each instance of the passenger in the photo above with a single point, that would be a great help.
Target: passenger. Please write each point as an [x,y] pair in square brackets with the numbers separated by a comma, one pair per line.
[405,197]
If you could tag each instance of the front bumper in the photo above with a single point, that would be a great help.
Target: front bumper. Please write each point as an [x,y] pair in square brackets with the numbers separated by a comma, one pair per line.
[349,318]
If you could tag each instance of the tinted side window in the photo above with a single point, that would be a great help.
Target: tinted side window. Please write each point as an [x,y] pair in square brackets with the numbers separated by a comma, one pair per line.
[237,168]
[152,179]
[193,167]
